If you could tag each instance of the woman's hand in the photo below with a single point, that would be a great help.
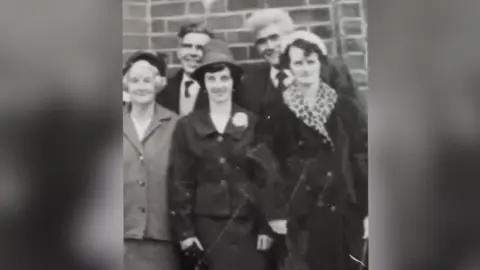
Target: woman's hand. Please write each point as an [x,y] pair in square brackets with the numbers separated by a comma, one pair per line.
[185,244]
[264,242]
[279,226]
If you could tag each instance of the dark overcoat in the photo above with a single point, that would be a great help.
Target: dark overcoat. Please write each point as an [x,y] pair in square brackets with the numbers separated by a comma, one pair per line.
[325,185]
[215,190]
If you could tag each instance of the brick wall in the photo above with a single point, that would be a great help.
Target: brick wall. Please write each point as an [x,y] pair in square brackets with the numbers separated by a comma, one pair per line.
[152,25]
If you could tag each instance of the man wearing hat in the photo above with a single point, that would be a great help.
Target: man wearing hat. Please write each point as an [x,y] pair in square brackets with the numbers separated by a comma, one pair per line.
[182,93]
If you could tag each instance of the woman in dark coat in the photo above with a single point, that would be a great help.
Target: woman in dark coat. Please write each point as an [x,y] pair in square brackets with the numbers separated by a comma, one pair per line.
[321,143]
[216,179]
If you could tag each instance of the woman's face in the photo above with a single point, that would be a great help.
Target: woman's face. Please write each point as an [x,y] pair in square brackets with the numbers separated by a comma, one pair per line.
[305,69]
[219,85]
[141,83]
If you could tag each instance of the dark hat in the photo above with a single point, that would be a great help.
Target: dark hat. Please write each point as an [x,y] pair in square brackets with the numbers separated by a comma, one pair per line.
[157,60]
[216,52]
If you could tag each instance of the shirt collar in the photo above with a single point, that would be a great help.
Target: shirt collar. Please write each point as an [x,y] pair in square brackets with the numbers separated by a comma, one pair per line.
[204,126]
[273,73]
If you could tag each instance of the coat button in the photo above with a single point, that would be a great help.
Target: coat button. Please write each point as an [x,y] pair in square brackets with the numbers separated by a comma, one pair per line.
[300,143]
[324,141]
[222,160]
[223,183]
[220,138]
[308,188]
[333,208]
[141,183]
[142,209]
[141,158]
[329,174]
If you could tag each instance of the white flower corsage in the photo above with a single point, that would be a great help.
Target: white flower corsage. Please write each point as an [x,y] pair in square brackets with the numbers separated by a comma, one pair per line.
[240,120]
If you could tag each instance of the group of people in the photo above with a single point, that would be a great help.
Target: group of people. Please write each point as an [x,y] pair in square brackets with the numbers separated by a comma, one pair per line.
[232,168]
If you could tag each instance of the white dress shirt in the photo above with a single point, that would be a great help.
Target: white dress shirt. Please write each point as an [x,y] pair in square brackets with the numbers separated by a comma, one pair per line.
[187,104]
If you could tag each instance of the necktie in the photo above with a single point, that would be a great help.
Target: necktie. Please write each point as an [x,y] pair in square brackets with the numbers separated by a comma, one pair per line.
[281,76]
[187,85]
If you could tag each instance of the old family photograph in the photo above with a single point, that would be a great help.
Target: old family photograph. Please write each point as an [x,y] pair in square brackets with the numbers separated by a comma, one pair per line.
[245,140]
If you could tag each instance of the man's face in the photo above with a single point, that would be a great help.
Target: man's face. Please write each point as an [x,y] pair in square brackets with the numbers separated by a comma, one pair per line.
[191,51]
[269,43]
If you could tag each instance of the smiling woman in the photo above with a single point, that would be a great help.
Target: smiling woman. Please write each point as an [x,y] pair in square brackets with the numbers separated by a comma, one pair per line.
[147,132]
[215,184]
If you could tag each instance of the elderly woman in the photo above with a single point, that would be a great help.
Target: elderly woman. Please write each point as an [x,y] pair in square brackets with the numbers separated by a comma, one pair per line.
[320,141]
[216,177]
[147,134]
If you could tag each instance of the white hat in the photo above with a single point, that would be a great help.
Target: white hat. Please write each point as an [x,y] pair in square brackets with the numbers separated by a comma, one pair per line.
[307,36]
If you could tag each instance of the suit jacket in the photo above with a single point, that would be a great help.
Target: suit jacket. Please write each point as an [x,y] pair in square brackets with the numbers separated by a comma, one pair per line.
[145,165]
[170,96]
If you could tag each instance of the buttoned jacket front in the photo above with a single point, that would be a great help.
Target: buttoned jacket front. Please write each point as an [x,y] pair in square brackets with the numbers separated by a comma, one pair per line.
[145,165]
[213,174]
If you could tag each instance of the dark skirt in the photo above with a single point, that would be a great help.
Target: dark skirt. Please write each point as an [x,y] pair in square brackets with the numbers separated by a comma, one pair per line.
[325,240]
[233,249]
[150,255]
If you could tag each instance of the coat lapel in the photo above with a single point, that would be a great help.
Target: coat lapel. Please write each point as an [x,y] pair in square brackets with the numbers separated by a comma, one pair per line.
[129,131]
[161,114]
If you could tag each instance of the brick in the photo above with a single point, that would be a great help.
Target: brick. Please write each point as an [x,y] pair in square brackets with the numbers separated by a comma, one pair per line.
[235,5]
[354,27]
[173,25]
[323,31]
[331,49]
[131,42]
[225,22]
[168,10]
[134,11]
[240,37]
[134,26]
[354,45]
[165,42]
[158,26]
[310,15]
[253,53]
[198,8]
[360,78]
[170,58]
[356,61]
[220,35]
[350,10]
[126,55]
[316,2]
[239,53]
[286,3]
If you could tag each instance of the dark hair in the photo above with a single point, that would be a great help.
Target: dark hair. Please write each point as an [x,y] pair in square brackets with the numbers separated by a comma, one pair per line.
[216,67]
[194,28]
[308,49]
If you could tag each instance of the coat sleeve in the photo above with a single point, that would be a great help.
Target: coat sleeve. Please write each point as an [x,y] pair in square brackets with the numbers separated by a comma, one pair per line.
[181,183]
[355,123]
[268,180]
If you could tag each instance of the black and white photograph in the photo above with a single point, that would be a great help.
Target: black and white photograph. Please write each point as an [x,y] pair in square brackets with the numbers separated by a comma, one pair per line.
[245,135]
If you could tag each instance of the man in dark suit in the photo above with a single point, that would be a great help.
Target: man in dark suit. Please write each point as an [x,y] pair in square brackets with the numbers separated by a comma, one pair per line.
[262,88]
[182,94]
